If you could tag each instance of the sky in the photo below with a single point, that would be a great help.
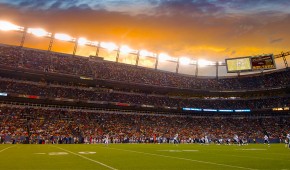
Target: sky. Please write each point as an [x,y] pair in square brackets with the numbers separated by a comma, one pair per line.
[200,29]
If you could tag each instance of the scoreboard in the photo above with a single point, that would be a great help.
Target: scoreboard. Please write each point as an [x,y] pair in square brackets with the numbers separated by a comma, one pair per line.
[238,64]
[263,62]
[243,64]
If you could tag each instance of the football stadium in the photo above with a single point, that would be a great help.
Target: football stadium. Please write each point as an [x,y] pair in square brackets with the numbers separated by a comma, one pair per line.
[115,107]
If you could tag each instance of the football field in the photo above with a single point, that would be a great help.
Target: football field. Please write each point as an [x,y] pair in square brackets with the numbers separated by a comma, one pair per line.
[144,156]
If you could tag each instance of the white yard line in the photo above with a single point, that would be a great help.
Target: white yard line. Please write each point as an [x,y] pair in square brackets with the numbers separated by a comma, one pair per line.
[7,148]
[100,163]
[186,159]
[239,156]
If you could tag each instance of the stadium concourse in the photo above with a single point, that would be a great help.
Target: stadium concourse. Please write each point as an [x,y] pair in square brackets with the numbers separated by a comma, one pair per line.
[49,97]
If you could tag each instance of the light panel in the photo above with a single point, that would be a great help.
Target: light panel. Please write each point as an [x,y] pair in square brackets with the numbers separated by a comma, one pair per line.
[7,26]
[39,32]
[203,63]
[145,53]
[125,49]
[63,37]
[109,46]
[83,41]
[184,61]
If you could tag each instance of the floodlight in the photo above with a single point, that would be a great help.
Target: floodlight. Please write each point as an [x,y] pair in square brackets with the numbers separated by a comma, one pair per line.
[63,37]
[39,32]
[7,26]
[109,46]
[163,57]
[82,41]
[146,53]
[94,43]
[184,61]
[203,63]
[125,49]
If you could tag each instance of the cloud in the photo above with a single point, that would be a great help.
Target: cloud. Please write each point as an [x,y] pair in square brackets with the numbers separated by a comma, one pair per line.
[195,8]
[185,7]
[277,40]
[209,28]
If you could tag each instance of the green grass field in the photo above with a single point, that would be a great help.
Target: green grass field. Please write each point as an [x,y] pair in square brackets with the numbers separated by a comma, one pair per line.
[144,156]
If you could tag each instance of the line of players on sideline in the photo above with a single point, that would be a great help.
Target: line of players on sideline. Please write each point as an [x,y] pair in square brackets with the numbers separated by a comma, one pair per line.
[236,140]
[107,139]
[206,140]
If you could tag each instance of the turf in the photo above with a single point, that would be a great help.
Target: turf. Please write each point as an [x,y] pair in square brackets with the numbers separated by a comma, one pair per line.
[144,156]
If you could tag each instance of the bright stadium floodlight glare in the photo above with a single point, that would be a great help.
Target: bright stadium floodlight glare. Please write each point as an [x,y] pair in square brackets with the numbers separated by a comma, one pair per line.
[82,41]
[109,46]
[63,37]
[94,43]
[7,26]
[145,53]
[125,49]
[203,63]
[39,32]
[184,61]
[163,57]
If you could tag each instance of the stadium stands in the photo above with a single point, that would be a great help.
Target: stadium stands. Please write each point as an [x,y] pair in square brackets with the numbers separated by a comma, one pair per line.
[16,57]
[36,125]
[77,93]
[40,124]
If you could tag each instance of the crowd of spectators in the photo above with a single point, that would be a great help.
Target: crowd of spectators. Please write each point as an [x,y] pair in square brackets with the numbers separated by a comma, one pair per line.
[47,125]
[16,57]
[85,94]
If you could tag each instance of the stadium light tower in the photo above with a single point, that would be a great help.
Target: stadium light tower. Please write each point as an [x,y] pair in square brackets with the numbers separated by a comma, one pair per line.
[137,58]
[62,37]
[163,57]
[124,49]
[80,41]
[8,26]
[109,46]
[38,32]
[184,61]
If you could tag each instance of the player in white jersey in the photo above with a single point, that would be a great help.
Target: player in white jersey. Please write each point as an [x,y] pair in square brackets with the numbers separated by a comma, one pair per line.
[288,138]
[236,139]
[266,140]
[228,141]
[106,140]
[206,140]
[175,139]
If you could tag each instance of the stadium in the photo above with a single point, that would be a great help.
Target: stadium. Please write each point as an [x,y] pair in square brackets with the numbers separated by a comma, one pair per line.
[106,110]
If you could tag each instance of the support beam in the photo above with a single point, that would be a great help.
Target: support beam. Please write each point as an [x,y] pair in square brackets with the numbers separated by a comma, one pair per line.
[23,37]
[118,55]
[75,48]
[98,49]
[284,59]
[156,62]
[137,58]
[177,65]
[196,69]
[217,70]
[50,42]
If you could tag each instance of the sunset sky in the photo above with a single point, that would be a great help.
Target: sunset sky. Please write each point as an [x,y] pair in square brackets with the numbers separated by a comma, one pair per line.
[207,29]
